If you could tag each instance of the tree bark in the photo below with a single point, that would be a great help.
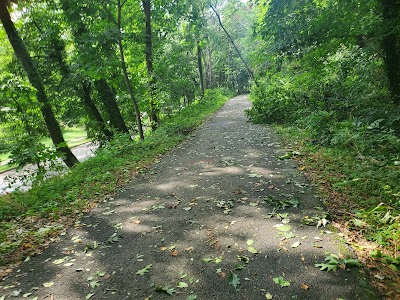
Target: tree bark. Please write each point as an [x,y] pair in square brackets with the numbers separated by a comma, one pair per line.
[33,75]
[84,92]
[391,47]
[200,67]
[154,120]
[92,109]
[234,45]
[107,96]
[125,72]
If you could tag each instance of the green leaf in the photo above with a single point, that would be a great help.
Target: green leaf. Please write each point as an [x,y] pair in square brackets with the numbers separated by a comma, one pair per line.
[218,260]
[250,242]
[207,259]
[284,228]
[281,281]
[332,259]
[192,297]
[352,262]
[328,267]
[289,235]
[114,238]
[166,289]
[244,258]
[48,284]
[268,296]
[234,280]
[145,270]
[239,267]
[252,250]
[94,283]
[182,285]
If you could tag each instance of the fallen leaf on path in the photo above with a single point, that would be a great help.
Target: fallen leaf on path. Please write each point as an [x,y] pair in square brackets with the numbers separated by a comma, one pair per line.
[304,286]
[48,284]
[145,270]
[295,245]
[15,293]
[174,253]
[283,227]
[250,242]
[165,289]
[281,281]
[88,296]
[252,250]
[234,280]
[268,296]
[182,285]
[94,283]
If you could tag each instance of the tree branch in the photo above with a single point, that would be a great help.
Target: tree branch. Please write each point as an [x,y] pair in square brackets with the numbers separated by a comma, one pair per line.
[234,45]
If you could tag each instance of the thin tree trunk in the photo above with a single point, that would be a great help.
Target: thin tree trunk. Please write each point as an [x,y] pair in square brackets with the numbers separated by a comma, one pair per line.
[234,45]
[200,67]
[149,64]
[391,47]
[209,69]
[125,72]
[92,109]
[107,96]
[34,78]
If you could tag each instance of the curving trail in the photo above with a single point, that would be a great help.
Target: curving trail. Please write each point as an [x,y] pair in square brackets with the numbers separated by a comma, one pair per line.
[191,224]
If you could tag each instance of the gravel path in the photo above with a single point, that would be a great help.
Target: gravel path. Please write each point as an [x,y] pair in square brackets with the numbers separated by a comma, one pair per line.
[191,224]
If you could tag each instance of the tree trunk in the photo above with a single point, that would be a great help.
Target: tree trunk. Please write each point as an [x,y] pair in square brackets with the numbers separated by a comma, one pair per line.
[200,66]
[93,111]
[149,64]
[34,78]
[391,47]
[209,78]
[84,92]
[106,95]
[108,98]
[234,45]
[125,72]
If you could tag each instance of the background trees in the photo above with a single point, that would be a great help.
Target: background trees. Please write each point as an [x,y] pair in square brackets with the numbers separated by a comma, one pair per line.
[78,49]
[329,72]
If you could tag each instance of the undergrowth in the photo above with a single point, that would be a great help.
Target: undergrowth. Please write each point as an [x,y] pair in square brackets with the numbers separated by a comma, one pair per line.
[360,179]
[29,219]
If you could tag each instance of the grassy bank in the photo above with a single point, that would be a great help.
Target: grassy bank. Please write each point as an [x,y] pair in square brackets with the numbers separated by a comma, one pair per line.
[74,136]
[361,193]
[31,219]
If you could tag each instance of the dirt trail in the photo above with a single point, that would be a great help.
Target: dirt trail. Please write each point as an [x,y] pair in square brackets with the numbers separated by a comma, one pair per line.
[194,219]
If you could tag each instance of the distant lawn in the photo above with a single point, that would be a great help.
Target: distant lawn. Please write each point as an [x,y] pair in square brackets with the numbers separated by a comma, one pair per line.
[74,136]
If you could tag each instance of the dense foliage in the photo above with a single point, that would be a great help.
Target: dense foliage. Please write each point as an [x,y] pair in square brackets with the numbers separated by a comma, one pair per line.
[108,69]
[326,70]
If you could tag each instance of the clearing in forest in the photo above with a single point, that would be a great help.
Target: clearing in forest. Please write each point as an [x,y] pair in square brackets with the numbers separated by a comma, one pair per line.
[222,217]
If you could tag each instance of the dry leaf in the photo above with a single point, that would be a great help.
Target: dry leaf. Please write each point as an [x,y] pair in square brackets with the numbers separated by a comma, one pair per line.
[222,274]
[174,253]
[304,286]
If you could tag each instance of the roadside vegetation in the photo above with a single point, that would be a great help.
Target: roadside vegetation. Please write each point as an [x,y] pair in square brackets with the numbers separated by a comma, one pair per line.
[334,96]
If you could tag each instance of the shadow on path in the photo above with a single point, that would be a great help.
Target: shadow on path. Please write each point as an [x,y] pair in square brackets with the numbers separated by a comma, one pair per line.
[194,217]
